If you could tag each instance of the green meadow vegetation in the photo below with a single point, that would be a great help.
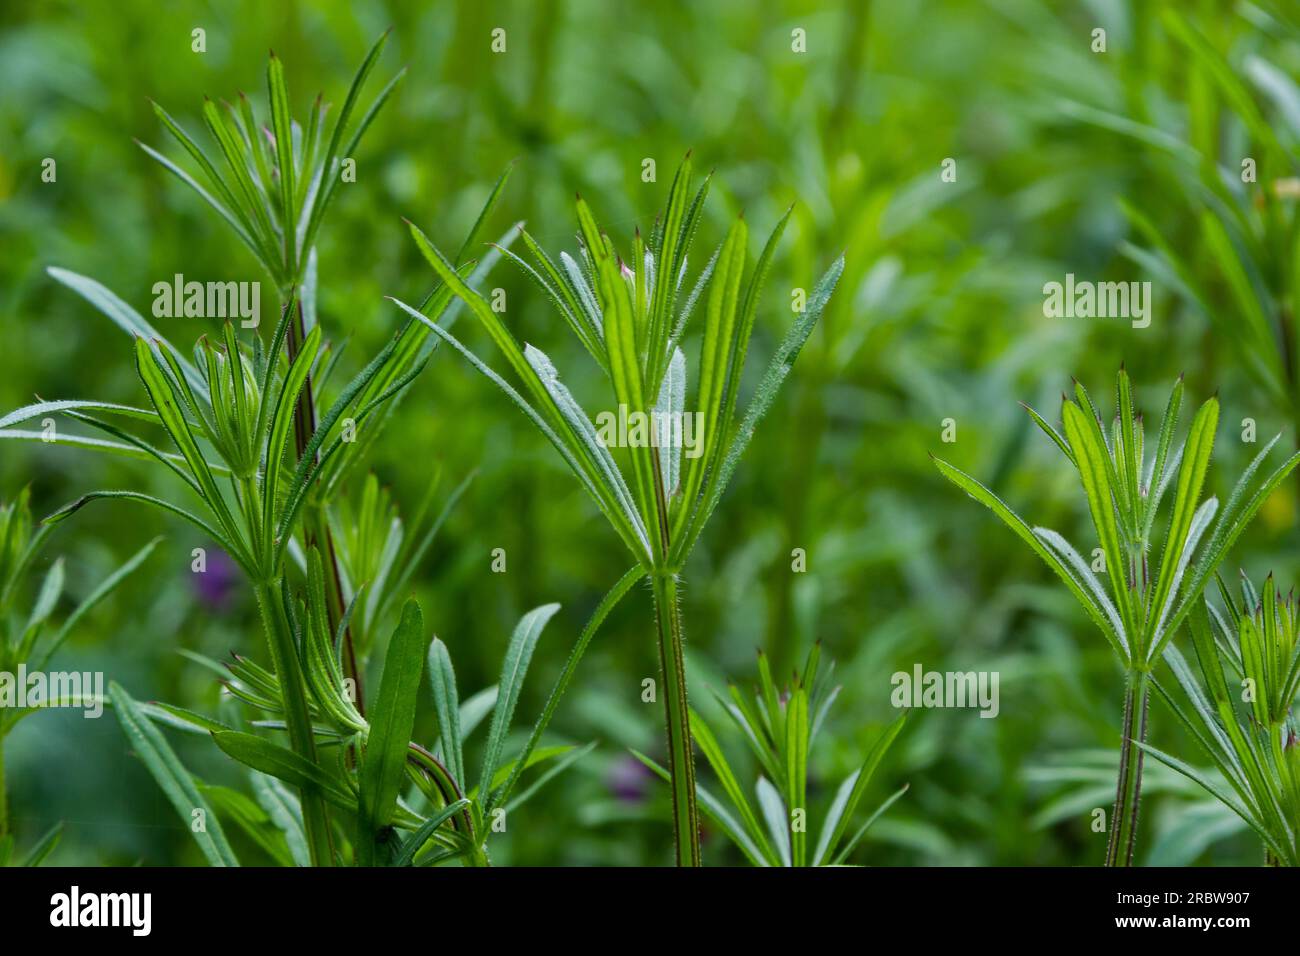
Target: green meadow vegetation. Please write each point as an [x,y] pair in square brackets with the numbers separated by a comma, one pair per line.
[545,434]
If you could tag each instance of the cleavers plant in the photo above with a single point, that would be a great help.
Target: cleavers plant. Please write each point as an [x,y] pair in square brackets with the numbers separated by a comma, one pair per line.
[241,406]
[780,727]
[630,314]
[1150,593]
[1241,711]
[273,185]
[266,469]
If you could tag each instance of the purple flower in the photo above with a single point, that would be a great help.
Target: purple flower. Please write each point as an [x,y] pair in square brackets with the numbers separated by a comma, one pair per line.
[628,779]
[215,585]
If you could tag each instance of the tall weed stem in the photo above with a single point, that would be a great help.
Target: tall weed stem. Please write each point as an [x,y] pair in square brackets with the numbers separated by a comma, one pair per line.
[681,759]
[1128,790]
[317,526]
[284,656]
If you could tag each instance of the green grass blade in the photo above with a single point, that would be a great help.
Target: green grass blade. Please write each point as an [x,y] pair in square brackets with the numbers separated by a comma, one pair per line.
[1095,469]
[282,127]
[125,317]
[714,809]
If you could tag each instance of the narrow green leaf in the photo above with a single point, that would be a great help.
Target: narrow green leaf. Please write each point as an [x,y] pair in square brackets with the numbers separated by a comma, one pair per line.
[777,817]
[391,723]
[446,701]
[708,743]
[607,604]
[281,762]
[173,778]
[768,387]
[406,855]
[515,666]
[869,764]
[854,840]
[44,846]
[101,591]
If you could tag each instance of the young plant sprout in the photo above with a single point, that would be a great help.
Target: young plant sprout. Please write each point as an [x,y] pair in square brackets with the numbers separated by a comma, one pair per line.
[30,639]
[630,312]
[780,726]
[1150,593]
[1241,711]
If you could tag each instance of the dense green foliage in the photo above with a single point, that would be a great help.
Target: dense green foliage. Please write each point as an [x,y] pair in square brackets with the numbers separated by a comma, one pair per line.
[1123,165]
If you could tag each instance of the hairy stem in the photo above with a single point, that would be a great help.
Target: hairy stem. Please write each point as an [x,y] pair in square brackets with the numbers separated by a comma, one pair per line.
[681,759]
[319,533]
[317,527]
[449,789]
[1128,787]
[284,655]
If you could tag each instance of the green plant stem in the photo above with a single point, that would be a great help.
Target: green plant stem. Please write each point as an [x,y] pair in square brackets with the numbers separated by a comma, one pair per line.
[1128,788]
[1275,737]
[317,527]
[681,758]
[319,533]
[450,792]
[250,505]
[284,656]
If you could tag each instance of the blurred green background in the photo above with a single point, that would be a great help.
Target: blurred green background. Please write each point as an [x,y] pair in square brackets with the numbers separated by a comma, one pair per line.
[939,315]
